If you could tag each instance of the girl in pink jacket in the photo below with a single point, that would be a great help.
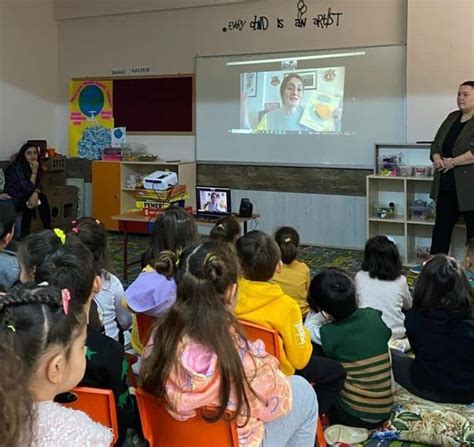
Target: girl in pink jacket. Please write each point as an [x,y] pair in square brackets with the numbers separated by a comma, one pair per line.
[198,357]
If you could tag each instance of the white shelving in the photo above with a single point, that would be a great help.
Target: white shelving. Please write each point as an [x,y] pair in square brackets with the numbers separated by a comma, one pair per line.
[408,233]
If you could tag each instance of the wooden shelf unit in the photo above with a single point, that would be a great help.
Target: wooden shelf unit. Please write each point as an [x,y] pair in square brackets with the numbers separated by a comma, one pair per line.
[408,233]
[111,196]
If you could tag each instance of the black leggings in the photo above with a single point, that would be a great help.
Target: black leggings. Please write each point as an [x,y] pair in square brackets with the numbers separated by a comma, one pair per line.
[28,213]
[327,377]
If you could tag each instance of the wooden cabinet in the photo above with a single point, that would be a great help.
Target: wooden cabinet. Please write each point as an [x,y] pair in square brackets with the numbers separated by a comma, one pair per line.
[106,192]
[111,195]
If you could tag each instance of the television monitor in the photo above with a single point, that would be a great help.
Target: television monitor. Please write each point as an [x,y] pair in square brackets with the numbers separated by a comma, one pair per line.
[213,201]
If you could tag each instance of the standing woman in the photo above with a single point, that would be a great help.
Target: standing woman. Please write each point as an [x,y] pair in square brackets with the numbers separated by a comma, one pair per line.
[452,153]
[22,183]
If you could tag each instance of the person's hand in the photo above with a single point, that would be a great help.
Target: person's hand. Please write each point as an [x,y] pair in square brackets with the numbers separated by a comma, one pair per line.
[447,164]
[34,165]
[4,196]
[33,201]
[438,163]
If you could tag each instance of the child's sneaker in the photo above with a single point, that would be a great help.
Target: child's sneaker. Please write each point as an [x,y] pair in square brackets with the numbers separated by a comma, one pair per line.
[336,434]
[416,269]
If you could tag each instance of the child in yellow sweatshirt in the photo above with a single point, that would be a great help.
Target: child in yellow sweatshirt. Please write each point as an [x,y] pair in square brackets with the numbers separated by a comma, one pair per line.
[263,302]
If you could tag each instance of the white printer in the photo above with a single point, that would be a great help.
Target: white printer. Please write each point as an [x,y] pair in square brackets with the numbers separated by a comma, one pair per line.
[160,180]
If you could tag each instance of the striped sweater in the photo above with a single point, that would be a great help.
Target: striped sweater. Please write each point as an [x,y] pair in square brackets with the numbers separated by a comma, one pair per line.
[359,342]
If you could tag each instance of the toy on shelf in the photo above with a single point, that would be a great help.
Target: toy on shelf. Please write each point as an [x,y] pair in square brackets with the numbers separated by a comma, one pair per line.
[422,210]
[389,165]
[383,211]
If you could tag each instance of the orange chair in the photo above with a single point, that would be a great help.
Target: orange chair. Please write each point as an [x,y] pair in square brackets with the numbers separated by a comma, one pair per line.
[144,323]
[271,339]
[160,429]
[98,404]
[269,336]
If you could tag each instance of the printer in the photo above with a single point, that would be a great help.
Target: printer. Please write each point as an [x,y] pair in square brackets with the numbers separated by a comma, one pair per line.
[160,180]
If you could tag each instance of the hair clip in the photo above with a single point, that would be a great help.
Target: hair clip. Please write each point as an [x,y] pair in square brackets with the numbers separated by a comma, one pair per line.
[391,239]
[66,297]
[74,222]
[209,258]
[97,221]
[287,239]
[220,226]
[60,234]
[11,328]
[75,230]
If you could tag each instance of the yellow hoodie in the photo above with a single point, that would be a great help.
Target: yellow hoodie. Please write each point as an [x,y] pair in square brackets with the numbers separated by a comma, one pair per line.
[265,304]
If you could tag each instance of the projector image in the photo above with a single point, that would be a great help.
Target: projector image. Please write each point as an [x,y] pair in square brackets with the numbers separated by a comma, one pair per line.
[160,180]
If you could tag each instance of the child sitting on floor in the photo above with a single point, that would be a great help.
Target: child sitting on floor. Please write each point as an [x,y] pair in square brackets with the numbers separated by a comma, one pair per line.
[381,285]
[199,358]
[293,276]
[226,229]
[116,319]
[357,337]
[42,343]
[440,328]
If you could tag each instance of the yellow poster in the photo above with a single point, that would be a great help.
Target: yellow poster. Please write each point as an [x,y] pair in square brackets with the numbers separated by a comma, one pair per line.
[90,118]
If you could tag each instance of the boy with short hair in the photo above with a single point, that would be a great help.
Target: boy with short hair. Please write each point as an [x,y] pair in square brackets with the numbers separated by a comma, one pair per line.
[264,303]
[469,261]
[357,337]
[9,267]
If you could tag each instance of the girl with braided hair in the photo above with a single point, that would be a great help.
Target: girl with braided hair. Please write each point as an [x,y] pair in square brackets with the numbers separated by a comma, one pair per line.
[440,327]
[42,343]
[198,357]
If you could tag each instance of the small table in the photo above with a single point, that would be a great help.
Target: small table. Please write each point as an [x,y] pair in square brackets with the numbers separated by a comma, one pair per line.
[136,222]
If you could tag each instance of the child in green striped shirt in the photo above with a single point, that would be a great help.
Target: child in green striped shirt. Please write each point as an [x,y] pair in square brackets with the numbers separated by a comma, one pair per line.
[358,339]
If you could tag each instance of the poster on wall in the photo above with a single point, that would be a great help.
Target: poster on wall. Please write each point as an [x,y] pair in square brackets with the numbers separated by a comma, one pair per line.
[90,118]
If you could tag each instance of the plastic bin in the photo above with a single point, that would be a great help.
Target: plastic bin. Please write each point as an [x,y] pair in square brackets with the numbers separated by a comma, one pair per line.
[406,171]
[422,171]
[389,165]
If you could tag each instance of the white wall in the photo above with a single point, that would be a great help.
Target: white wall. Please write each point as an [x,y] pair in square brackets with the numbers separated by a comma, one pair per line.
[168,41]
[28,73]
[439,57]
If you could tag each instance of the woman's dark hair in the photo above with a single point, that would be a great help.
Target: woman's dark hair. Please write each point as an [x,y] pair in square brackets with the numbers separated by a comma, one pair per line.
[259,255]
[288,240]
[93,234]
[20,156]
[442,285]
[382,259]
[226,229]
[7,218]
[287,79]
[468,83]
[72,266]
[34,249]
[32,320]
[333,291]
[204,276]
[173,231]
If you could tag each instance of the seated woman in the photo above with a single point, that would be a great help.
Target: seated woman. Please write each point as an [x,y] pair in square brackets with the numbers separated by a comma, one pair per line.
[23,186]
[440,327]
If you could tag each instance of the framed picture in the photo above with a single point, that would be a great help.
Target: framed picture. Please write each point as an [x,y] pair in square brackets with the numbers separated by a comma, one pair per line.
[309,79]
[249,86]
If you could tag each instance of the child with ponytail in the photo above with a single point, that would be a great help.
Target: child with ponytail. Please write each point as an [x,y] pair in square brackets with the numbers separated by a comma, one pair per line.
[200,358]
[154,290]
[42,342]
[226,229]
[116,318]
[293,277]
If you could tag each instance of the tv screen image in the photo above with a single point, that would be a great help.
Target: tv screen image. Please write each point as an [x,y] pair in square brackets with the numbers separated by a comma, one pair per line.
[213,201]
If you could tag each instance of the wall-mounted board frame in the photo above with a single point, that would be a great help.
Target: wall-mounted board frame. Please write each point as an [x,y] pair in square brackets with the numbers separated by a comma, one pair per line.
[154,105]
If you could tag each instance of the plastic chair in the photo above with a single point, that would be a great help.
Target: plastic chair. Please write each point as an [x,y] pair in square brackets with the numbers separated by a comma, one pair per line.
[144,323]
[269,336]
[271,339]
[98,404]
[160,429]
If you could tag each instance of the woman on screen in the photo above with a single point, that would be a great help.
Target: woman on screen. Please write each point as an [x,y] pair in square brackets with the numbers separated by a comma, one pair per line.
[288,116]
[452,154]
